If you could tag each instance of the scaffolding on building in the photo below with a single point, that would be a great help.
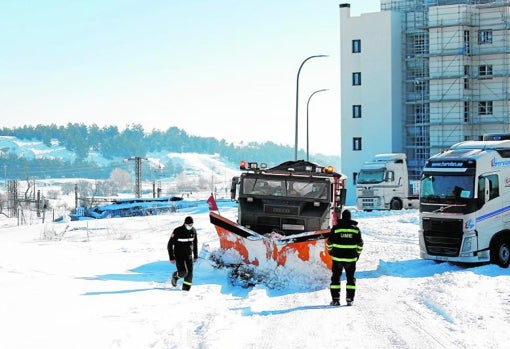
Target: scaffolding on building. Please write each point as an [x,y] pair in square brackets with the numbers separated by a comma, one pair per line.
[455,70]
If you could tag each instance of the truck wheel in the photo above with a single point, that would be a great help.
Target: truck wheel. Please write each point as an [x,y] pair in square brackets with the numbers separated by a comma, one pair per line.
[500,253]
[395,204]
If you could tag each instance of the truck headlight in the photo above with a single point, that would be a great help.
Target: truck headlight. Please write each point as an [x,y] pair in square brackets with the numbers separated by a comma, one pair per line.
[468,244]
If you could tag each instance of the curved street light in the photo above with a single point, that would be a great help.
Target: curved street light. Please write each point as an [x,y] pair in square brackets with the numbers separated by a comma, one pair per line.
[297,100]
[307,133]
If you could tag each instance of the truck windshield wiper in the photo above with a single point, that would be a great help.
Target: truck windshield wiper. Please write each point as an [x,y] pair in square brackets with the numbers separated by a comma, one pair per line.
[443,207]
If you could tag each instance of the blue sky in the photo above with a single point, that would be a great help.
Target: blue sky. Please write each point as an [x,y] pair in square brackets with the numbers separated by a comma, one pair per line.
[224,68]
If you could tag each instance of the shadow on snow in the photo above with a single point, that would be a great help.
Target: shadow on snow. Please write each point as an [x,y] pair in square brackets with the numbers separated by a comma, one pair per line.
[246,311]
[159,273]
[417,268]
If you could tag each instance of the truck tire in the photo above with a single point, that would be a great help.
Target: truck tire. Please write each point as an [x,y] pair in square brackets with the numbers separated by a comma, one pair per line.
[500,252]
[395,204]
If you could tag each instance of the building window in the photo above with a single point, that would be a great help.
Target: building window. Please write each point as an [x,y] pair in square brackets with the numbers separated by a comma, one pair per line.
[485,108]
[356,111]
[485,36]
[467,48]
[420,44]
[466,79]
[356,79]
[356,46]
[419,113]
[419,86]
[466,111]
[356,143]
[485,71]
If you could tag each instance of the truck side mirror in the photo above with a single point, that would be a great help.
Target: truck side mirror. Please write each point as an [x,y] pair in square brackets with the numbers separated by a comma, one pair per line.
[487,190]
[390,176]
[233,188]
[342,197]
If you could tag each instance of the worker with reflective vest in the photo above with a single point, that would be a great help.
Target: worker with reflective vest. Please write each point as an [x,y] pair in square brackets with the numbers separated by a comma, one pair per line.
[344,246]
[183,251]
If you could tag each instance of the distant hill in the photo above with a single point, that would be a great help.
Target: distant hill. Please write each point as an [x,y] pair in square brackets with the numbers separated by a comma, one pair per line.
[77,150]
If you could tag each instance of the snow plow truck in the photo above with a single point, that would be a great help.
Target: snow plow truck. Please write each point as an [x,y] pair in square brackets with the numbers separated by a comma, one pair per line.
[284,212]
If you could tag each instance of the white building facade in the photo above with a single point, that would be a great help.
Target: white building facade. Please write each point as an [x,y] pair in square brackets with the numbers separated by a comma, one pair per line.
[371,89]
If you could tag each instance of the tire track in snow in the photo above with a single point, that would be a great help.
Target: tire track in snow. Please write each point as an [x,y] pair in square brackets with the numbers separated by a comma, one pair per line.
[404,322]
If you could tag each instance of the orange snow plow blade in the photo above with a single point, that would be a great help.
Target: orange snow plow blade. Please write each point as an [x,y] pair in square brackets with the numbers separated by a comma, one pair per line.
[254,247]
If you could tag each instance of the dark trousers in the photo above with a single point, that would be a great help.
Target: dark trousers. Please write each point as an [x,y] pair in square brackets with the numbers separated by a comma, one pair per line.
[184,270]
[336,274]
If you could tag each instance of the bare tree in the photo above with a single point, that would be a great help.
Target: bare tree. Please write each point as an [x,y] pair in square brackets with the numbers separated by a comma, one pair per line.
[121,178]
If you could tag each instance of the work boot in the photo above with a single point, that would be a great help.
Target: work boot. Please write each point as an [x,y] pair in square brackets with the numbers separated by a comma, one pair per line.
[174,279]
[349,301]
[335,303]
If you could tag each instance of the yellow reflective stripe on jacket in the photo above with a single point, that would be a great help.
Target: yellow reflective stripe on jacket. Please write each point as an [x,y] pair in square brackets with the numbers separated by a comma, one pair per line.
[344,259]
[346,230]
[344,246]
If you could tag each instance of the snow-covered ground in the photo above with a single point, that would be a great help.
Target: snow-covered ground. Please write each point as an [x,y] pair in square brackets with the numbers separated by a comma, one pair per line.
[104,284]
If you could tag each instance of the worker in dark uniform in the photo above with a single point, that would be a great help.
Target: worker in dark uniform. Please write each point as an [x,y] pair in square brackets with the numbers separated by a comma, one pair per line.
[183,251]
[344,246]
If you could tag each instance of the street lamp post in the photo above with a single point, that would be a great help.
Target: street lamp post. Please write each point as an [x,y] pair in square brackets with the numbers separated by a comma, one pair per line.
[297,102]
[307,132]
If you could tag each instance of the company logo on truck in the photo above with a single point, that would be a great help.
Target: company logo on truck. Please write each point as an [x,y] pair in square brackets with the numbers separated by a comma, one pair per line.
[447,164]
[499,163]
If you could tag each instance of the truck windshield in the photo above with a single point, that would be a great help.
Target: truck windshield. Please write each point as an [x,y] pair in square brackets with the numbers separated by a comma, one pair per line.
[370,176]
[285,188]
[442,186]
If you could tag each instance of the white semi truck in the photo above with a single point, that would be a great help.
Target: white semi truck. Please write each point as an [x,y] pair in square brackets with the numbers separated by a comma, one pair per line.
[465,204]
[383,184]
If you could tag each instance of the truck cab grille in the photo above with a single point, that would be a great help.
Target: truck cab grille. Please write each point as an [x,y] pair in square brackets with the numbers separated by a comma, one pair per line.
[442,237]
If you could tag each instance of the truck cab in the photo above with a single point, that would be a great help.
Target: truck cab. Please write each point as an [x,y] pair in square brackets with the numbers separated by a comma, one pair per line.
[383,184]
[465,204]
[291,198]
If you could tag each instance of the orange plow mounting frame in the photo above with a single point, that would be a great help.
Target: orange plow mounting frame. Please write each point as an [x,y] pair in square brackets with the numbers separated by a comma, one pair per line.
[253,247]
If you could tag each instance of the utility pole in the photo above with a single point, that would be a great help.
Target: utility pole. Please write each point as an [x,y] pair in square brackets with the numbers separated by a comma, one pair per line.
[138,173]
[159,182]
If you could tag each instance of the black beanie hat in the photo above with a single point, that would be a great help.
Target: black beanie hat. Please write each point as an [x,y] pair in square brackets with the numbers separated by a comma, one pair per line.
[346,215]
[188,220]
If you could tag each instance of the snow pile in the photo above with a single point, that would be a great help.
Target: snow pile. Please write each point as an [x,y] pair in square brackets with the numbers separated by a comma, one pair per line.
[104,284]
